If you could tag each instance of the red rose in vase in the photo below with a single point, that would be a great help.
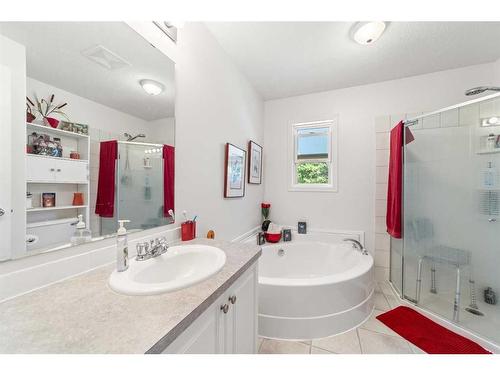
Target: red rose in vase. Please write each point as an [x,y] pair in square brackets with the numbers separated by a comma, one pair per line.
[265,208]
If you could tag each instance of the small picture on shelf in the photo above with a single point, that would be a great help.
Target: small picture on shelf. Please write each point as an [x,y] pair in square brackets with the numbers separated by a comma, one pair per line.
[74,127]
[48,199]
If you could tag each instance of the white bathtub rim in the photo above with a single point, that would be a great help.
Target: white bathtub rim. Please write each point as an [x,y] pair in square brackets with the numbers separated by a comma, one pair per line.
[321,316]
[350,274]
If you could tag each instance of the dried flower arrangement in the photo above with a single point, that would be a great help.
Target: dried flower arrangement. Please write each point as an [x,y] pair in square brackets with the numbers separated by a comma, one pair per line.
[46,108]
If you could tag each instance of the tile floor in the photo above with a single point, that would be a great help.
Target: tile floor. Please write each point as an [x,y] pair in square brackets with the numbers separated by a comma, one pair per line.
[372,337]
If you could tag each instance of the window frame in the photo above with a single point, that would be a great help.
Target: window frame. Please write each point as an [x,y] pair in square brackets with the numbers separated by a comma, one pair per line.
[332,160]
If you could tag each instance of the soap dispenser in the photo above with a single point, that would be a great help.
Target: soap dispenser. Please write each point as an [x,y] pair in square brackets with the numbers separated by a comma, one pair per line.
[122,247]
[81,234]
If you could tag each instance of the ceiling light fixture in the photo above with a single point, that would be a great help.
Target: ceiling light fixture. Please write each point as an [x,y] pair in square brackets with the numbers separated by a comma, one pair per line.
[368,32]
[151,87]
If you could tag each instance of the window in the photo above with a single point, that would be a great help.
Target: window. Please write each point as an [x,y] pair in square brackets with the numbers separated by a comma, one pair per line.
[313,156]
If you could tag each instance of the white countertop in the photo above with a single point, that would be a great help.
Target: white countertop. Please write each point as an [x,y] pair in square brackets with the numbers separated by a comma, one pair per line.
[83,315]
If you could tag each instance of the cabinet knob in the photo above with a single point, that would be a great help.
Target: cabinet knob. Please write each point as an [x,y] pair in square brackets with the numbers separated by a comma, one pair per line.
[225,308]
[52,169]
[232,299]
[2,212]
[59,169]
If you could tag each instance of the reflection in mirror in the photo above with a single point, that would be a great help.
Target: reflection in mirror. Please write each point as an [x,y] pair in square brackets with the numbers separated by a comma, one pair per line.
[99,131]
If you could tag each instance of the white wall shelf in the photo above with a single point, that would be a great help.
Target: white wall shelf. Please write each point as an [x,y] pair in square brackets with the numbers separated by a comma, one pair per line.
[63,176]
[57,158]
[482,152]
[57,182]
[38,209]
[49,129]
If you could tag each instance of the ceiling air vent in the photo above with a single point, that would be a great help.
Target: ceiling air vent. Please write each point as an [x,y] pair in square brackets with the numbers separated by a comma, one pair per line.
[105,58]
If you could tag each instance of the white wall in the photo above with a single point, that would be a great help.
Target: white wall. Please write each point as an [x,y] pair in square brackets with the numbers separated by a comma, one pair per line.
[215,104]
[352,207]
[496,73]
[163,129]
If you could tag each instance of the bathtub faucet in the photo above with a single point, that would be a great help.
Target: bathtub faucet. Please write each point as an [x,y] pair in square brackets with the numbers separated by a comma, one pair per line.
[357,245]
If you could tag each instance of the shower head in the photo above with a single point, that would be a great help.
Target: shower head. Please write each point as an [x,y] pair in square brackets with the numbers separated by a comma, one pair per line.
[131,138]
[480,89]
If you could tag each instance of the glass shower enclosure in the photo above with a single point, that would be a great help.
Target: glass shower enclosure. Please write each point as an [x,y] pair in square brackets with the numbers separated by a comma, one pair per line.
[449,259]
[138,189]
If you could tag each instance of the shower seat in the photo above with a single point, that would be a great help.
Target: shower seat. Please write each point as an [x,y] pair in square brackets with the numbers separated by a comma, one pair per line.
[457,258]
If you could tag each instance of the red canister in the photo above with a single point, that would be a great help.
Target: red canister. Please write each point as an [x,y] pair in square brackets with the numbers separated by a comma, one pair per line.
[188,230]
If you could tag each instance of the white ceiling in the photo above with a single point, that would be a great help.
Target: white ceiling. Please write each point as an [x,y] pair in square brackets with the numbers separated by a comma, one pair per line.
[283,59]
[54,56]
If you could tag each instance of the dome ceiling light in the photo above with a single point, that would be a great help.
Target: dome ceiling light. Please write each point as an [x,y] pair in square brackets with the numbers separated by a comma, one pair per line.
[151,87]
[368,32]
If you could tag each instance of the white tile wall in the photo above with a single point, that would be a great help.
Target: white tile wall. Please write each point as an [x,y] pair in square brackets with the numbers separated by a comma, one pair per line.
[489,108]
[382,124]
[469,115]
[449,118]
[382,140]
[431,121]
[382,157]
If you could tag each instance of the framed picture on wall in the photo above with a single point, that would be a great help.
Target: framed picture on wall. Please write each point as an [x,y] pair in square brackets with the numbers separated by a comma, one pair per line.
[254,163]
[234,171]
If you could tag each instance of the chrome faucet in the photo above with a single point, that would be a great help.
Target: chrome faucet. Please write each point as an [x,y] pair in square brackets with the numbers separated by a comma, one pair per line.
[357,245]
[151,249]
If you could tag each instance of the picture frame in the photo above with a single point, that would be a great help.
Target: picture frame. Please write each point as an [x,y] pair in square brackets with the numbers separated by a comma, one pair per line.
[254,163]
[234,171]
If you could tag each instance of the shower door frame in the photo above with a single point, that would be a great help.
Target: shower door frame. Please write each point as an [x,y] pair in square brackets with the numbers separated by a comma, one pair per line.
[407,124]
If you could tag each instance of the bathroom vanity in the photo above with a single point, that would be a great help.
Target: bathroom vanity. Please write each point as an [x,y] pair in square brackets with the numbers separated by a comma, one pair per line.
[83,315]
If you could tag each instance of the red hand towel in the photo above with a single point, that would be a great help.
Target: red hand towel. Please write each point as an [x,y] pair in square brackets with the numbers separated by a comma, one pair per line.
[168,179]
[105,202]
[395,184]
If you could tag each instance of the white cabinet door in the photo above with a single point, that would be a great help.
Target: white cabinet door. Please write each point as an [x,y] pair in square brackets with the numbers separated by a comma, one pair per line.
[216,331]
[71,171]
[243,316]
[202,336]
[40,169]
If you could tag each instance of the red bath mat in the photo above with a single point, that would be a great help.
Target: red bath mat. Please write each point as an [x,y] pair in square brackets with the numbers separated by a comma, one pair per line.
[429,336]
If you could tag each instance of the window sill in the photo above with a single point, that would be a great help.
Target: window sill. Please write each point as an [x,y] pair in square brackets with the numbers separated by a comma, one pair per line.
[313,188]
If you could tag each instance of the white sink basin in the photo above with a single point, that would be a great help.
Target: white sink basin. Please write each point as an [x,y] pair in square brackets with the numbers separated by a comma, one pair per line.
[180,267]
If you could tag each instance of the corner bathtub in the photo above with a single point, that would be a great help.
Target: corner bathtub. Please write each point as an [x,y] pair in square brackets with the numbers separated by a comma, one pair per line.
[312,287]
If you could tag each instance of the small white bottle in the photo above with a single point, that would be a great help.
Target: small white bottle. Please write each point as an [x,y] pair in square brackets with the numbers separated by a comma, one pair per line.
[82,234]
[122,247]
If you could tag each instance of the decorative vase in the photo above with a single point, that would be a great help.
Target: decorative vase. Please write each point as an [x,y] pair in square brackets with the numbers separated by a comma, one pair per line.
[30,117]
[77,199]
[50,121]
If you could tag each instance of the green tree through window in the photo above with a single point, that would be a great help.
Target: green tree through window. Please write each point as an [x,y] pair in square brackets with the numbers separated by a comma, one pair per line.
[312,173]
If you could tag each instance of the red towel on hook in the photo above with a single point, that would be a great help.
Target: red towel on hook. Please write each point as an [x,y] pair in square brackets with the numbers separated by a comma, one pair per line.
[395,183]
[168,179]
[105,202]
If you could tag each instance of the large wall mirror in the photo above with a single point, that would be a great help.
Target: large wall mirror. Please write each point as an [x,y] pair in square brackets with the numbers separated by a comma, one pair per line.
[99,132]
